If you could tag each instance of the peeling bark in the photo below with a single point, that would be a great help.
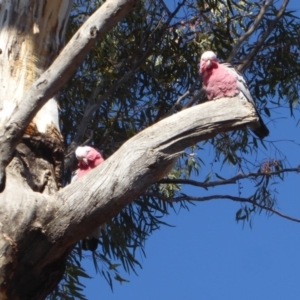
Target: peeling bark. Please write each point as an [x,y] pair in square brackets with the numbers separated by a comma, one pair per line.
[56,76]
[31,36]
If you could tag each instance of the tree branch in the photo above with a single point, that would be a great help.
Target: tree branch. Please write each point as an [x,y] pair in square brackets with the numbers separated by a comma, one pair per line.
[140,162]
[93,106]
[182,97]
[53,79]
[231,180]
[227,197]
[251,30]
[242,67]
[49,226]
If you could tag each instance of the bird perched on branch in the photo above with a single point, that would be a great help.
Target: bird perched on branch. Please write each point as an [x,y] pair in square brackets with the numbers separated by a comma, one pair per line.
[222,80]
[88,158]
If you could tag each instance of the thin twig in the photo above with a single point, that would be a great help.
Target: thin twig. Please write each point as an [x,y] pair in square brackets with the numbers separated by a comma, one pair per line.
[225,197]
[182,97]
[231,180]
[200,95]
[162,2]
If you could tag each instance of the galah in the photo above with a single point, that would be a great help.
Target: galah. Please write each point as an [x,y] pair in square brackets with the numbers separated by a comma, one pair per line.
[88,158]
[222,80]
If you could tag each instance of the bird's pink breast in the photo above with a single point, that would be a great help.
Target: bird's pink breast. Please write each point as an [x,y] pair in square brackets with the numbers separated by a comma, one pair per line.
[219,83]
[83,170]
[94,159]
[99,160]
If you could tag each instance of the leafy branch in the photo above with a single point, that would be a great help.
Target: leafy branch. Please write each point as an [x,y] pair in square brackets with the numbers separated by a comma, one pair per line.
[251,30]
[248,200]
[250,57]
[139,62]
[231,180]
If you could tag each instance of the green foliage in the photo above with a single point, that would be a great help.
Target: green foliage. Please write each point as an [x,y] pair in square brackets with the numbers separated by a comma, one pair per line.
[70,287]
[133,78]
[264,198]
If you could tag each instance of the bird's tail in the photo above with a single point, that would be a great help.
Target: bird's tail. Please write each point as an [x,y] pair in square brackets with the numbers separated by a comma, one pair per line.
[90,244]
[260,129]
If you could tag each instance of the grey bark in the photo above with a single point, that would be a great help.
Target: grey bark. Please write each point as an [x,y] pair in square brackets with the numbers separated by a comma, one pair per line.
[32,33]
[38,231]
[56,76]
[39,224]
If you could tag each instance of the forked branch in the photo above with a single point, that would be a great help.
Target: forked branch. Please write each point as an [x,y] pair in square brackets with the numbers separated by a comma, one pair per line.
[57,75]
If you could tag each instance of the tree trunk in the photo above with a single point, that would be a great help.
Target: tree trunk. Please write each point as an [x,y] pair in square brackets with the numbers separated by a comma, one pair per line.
[40,224]
[32,34]
[39,231]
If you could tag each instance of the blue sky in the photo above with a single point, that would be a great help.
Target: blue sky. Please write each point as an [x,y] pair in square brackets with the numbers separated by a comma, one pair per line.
[209,256]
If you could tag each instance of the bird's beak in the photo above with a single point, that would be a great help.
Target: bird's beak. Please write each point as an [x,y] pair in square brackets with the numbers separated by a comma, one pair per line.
[82,160]
[208,64]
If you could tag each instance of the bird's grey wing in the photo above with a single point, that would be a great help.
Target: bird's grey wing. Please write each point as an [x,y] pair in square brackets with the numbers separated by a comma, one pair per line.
[259,129]
[241,83]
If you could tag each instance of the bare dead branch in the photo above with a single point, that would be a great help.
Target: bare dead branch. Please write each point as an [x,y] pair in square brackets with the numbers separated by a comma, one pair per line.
[53,224]
[126,174]
[251,30]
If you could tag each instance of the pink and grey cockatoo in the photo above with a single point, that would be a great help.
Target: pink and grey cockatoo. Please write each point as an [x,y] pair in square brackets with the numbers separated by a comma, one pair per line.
[222,80]
[88,158]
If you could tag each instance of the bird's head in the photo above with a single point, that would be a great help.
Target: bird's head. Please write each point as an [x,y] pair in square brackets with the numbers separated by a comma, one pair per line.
[82,154]
[88,157]
[208,61]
